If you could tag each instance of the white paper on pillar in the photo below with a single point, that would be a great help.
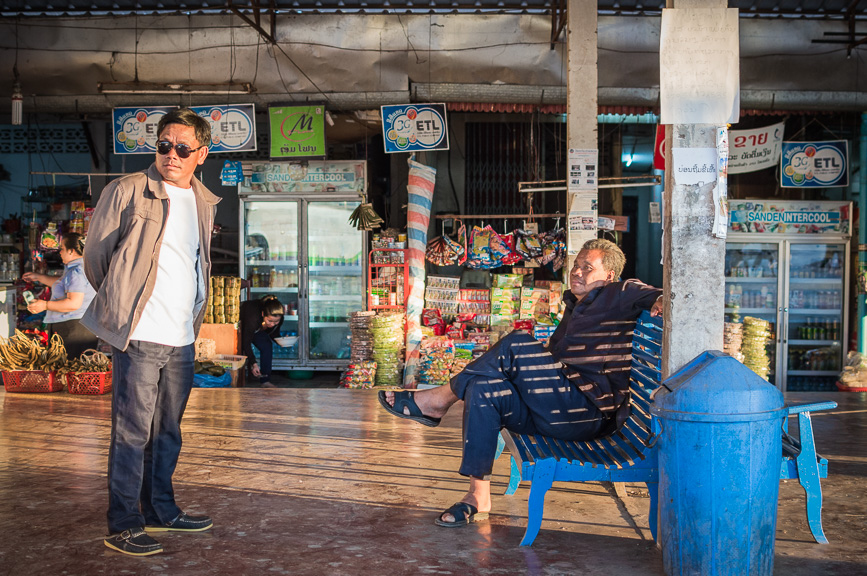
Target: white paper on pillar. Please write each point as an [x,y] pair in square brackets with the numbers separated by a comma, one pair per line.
[694,165]
[699,74]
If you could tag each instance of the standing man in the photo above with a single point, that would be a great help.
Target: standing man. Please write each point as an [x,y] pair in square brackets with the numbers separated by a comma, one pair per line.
[148,257]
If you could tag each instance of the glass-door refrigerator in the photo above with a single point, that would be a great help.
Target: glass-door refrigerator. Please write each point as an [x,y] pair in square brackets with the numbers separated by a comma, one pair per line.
[298,245]
[787,263]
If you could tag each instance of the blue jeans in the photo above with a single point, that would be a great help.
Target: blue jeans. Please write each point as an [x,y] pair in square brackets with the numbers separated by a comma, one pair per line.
[151,385]
[263,342]
[520,386]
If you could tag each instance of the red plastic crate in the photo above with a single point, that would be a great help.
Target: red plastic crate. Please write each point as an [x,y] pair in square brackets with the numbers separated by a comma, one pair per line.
[88,382]
[31,381]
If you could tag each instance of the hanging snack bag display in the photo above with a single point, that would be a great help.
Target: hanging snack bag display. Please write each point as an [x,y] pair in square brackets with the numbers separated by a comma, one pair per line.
[438,252]
[528,244]
[512,257]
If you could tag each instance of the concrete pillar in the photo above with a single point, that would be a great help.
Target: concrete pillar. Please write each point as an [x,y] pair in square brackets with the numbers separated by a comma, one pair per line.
[581,82]
[693,260]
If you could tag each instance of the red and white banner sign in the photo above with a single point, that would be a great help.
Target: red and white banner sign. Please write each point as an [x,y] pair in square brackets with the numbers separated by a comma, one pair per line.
[659,148]
[757,149]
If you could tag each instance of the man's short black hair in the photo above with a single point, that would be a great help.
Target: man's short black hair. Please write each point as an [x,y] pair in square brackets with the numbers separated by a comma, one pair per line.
[186,117]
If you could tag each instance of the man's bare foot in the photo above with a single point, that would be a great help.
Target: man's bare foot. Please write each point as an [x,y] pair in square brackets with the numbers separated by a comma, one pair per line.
[433,402]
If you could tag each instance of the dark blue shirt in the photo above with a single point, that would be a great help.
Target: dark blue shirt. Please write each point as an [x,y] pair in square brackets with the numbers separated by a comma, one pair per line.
[594,340]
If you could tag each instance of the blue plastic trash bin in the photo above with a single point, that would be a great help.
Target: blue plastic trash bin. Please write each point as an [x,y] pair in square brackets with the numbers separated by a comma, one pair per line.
[719,468]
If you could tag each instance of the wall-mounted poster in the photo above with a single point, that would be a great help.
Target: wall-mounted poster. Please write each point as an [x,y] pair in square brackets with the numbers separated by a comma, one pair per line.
[233,128]
[815,164]
[135,129]
[297,131]
[415,128]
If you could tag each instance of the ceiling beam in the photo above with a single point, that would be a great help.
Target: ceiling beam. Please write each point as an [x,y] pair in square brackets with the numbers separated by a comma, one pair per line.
[256,24]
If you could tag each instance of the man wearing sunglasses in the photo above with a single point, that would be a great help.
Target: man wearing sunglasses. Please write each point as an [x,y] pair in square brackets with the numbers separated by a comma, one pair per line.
[148,257]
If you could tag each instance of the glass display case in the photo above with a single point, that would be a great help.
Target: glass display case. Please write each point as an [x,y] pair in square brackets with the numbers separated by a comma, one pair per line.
[815,318]
[752,288]
[305,252]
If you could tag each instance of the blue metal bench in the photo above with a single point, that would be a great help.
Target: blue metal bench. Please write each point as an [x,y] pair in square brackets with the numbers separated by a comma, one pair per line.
[630,455]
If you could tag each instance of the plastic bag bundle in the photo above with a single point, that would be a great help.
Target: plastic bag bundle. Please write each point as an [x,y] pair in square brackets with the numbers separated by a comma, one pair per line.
[387,329]
[733,339]
[455,248]
[437,357]
[439,252]
[512,257]
[553,249]
[359,375]
[361,340]
[486,249]
[527,244]
[757,334]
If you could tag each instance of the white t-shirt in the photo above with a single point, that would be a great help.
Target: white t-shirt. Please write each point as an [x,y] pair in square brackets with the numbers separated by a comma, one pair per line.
[167,317]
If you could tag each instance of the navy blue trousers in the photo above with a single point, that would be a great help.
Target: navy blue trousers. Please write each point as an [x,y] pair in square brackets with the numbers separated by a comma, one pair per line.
[520,386]
[263,342]
[151,385]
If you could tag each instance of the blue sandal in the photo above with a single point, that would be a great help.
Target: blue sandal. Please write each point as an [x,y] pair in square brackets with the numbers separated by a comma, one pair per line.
[405,400]
[463,514]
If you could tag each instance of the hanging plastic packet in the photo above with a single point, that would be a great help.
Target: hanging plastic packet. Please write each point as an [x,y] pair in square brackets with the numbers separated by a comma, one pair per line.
[512,257]
[438,252]
[50,237]
[486,249]
[462,241]
[455,249]
[554,250]
[527,244]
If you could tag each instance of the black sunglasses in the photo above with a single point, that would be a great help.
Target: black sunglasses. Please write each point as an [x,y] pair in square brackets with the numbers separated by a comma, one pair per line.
[184,151]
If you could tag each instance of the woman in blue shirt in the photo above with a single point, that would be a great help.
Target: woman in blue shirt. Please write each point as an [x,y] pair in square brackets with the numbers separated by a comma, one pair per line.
[71,294]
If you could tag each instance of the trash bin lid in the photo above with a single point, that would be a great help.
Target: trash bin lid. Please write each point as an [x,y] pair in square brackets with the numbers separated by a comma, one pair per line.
[715,387]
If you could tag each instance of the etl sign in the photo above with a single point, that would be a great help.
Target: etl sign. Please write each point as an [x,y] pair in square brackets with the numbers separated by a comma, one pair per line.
[415,127]
[814,164]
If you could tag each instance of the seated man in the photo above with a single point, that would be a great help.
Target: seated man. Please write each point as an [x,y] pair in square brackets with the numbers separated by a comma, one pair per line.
[574,390]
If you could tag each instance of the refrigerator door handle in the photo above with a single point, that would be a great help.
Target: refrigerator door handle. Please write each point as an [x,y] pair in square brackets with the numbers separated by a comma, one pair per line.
[785,325]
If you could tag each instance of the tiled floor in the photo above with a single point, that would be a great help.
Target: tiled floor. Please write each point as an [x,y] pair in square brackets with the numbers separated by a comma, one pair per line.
[319,481]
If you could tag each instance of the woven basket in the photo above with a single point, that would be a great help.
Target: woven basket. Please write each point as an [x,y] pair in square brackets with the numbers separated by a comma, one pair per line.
[31,381]
[88,382]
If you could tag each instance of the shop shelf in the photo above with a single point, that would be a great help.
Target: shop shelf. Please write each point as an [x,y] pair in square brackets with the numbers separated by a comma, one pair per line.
[830,280]
[813,372]
[751,310]
[281,263]
[274,289]
[328,324]
[814,343]
[336,270]
[816,311]
[338,297]
[751,279]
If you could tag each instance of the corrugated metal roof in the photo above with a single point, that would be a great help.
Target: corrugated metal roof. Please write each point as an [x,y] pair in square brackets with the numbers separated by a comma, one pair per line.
[818,9]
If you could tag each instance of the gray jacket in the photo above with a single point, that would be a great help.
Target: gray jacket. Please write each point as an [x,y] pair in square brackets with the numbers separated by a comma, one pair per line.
[123,247]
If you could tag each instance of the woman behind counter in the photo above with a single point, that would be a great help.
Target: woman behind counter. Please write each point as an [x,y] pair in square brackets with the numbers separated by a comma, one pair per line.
[260,324]
[71,294]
